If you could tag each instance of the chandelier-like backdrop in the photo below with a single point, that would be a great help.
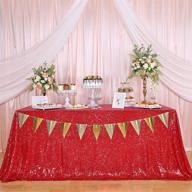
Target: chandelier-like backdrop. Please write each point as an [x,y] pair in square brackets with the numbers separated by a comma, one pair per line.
[98,44]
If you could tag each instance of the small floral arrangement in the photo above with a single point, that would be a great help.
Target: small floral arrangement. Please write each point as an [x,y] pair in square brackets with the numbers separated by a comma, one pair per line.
[145,63]
[44,78]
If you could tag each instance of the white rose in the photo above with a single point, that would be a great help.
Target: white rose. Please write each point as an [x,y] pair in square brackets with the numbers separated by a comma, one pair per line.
[46,86]
[138,66]
[145,66]
[37,78]
[153,65]
[42,81]
[148,60]
[142,61]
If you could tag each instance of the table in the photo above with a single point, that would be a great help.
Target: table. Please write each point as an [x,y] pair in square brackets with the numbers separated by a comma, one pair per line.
[103,143]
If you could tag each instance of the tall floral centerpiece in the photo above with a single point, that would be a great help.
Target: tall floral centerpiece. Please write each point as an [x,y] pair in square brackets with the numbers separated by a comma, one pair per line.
[44,78]
[144,64]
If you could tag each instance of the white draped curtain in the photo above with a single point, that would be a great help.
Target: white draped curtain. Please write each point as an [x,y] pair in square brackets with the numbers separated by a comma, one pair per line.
[100,43]
[16,69]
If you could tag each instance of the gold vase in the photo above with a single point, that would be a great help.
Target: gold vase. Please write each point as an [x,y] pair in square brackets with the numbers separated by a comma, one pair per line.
[144,78]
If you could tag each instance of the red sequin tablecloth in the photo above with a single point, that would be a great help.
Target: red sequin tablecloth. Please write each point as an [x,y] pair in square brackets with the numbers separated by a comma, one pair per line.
[132,152]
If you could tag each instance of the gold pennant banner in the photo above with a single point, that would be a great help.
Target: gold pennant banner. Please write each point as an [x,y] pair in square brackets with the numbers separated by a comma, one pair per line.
[137,126]
[81,129]
[50,126]
[164,118]
[96,130]
[36,123]
[22,119]
[110,129]
[150,123]
[123,128]
[65,128]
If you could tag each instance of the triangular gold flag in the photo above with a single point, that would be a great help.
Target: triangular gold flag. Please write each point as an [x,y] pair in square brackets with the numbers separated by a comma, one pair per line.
[164,118]
[81,129]
[123,128]
[150,122]
[22,119]
[96,130]
[36,123]
[110,129]
[50,125]
[65,127]
[136,125]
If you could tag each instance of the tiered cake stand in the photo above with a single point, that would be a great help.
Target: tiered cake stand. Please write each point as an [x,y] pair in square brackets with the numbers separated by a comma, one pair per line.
[125,88]
[67,94]
[93,94]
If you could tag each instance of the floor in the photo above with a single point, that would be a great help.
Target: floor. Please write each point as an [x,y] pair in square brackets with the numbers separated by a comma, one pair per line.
[98,186]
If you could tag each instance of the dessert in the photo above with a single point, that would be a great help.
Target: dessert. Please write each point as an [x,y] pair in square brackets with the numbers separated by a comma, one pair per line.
[92,81]
[129,97]
[148,105]
[77,106]
[125,88]
[72,86]
[47,106]
[66,86]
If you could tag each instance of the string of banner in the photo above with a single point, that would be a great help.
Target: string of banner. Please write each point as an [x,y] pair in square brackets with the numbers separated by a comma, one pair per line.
[96,128]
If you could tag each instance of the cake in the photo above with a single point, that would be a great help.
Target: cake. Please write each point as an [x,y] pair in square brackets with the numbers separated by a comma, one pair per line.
[92,81]
[129,97]
[66,86]
[147,103]
[72,86]
[125,88]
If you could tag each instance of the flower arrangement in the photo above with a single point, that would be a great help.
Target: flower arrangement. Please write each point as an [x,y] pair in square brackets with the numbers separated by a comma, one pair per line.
[44,78]
[145,63]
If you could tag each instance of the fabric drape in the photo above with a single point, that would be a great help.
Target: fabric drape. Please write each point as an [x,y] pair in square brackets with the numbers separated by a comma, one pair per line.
[15,70]
[175,72]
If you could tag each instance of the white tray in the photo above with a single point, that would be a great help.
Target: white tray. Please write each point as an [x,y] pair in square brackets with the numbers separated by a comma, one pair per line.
[76,107]
[147,106]
[47,107]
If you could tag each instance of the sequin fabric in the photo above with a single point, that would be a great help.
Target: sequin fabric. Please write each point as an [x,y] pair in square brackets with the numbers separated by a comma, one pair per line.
[150,155]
